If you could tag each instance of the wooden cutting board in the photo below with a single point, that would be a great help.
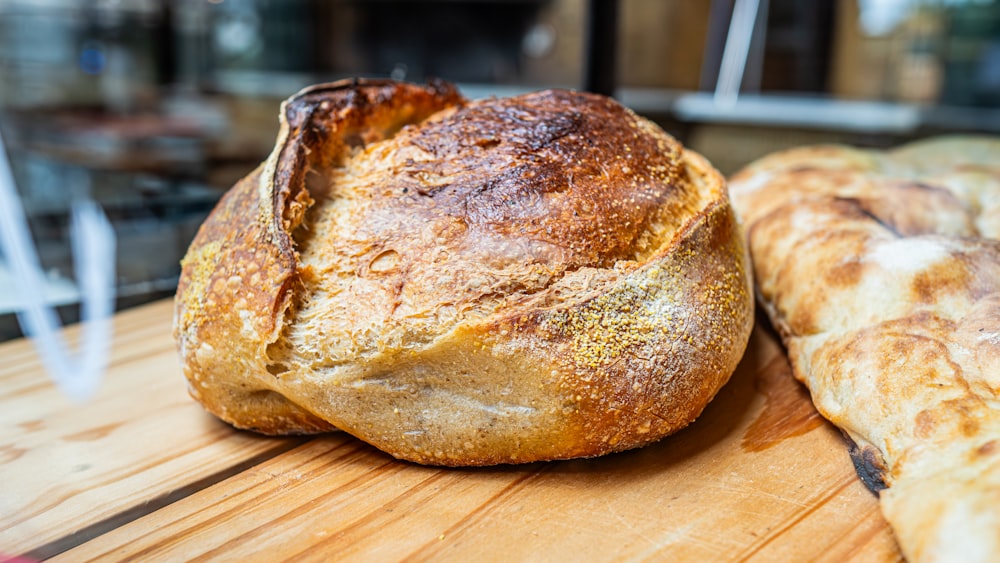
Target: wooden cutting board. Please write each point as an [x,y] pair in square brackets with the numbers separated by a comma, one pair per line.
[142,472]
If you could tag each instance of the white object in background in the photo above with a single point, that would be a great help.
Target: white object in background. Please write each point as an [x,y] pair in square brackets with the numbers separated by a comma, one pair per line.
[736,51]
[93,243]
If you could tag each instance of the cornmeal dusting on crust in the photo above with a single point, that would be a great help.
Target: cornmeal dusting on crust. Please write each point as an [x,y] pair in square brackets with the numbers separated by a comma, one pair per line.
[201,263]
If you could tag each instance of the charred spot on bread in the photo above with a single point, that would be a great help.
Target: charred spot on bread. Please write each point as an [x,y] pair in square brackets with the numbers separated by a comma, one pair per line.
[868,464]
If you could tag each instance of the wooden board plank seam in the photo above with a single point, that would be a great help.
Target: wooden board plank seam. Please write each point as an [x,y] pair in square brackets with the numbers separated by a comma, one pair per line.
[101,527]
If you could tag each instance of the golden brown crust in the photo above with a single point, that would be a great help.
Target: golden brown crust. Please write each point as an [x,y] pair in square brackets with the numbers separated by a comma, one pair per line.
[241,269]
[881,272]
[503,281]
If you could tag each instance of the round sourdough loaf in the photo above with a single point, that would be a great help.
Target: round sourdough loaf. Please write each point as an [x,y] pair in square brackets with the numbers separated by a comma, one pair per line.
[464,282]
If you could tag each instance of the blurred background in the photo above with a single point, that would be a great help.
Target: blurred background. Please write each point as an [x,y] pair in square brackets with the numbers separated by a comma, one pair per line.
[153,108]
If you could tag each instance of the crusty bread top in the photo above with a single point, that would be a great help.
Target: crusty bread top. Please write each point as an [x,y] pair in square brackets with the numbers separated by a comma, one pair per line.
[483,207]
[461,282]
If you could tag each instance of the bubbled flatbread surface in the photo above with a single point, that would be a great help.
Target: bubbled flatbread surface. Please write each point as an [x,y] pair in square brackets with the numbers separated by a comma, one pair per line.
[881,273]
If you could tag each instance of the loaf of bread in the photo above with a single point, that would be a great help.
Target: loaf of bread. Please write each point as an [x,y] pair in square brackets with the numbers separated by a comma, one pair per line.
[459,282]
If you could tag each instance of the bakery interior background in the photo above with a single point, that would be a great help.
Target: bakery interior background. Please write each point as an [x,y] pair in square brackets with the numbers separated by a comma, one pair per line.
[153,108]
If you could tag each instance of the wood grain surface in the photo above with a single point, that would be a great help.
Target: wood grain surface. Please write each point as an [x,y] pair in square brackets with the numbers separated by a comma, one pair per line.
[141,472]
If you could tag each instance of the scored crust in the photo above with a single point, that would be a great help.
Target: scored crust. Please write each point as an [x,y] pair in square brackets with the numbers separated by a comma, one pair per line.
[881,272]
[466,283]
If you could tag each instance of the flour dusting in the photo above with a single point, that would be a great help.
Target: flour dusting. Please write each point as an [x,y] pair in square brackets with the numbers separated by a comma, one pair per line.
[912,254]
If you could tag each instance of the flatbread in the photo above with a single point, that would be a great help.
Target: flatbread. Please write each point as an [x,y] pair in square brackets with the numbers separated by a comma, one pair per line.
[881,273]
